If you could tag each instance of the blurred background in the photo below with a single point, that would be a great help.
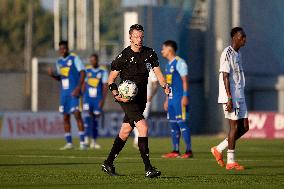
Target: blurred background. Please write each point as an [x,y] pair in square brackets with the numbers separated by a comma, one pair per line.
[30,31]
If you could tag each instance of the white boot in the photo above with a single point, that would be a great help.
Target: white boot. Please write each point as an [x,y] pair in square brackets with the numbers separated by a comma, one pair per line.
[94,145]
[68,146]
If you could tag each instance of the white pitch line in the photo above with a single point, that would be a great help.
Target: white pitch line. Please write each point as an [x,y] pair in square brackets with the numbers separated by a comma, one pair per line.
[121,158]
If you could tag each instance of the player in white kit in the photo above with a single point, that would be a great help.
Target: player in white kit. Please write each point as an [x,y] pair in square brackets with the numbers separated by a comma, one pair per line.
[152,88]
[232,98]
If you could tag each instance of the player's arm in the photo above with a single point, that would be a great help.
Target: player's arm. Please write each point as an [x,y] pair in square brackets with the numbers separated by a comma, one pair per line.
[81,69]
[160,76]
[105,88]
[116,67]
[182,69]
[113,87]
[153,58]
[84,86]
[228,91]
[54,74]
[77,90]
[161,79]
[184,100]
[225,70]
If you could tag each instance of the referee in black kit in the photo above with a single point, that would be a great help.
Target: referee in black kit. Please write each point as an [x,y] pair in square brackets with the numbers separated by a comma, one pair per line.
[134,64]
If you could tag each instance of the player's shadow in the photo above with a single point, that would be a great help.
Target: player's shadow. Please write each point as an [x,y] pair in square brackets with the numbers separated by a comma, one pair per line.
[169,177]
[267,166]
[46,164]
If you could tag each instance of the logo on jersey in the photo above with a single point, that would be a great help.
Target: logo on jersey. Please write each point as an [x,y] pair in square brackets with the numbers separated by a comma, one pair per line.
[148,66]
[172,69]
[99,76]
[69,63]
[132,58]
[89,74]
[64,71]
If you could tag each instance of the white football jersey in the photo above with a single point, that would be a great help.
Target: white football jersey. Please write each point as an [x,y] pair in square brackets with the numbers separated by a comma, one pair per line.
[231,62]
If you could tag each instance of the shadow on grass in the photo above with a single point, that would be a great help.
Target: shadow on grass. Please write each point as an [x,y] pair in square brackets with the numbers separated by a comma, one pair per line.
[59,164]
[45,164]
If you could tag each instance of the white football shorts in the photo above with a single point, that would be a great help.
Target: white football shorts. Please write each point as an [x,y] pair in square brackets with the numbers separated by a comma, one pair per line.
[239,110]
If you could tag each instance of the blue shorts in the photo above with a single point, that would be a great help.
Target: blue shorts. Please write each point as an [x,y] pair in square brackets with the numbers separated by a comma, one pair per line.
[92,105]
[177,112]
[69,104]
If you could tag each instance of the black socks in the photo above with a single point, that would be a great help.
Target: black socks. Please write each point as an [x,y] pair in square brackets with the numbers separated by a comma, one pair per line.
[143,148]
[116,148]
[144,151]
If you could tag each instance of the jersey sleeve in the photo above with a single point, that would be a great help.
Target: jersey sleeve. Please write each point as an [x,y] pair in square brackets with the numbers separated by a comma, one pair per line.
[182,68]
[57,69]
[116,64]
[79,64]
[86,78]
[105,76]
[224,64]
[154,61]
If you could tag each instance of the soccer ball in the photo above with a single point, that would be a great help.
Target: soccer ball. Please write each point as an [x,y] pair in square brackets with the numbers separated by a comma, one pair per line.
[128,89]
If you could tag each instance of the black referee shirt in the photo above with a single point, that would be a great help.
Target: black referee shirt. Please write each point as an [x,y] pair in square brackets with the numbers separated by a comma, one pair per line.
[135,66]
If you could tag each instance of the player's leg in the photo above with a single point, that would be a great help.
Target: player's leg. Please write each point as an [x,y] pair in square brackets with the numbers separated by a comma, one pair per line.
[243,127]
[217,151]
[243,123]
[136,114]
[80,125]
[95,132]
[142,128]
[68,135]
[74,108]
[175,133]
[117,146]
[119,142]
[96,113]
[87,121]
[64,109]
[135,140]
[232,137]
[88,127]
[185,130]
[135,131]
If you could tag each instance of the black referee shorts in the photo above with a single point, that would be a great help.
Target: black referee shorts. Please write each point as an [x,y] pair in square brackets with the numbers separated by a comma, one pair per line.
[134,109]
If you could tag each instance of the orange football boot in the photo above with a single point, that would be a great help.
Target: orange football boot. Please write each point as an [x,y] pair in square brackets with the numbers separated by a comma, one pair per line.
[234,165]
[172,154]
[218,156]
[187,155]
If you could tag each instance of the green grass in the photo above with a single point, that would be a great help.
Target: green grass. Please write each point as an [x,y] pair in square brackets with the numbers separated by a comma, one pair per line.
[39,164]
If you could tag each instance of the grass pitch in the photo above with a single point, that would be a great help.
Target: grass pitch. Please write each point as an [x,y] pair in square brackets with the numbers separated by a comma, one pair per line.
[39,164]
